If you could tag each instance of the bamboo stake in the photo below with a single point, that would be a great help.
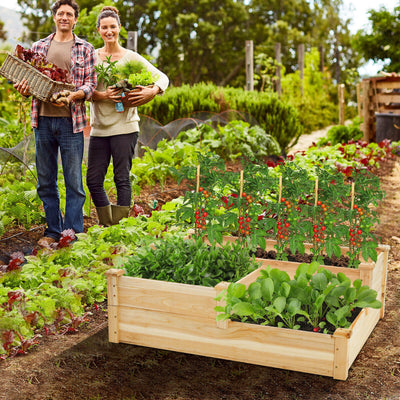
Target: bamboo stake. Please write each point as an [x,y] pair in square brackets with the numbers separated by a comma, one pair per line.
[316,192]
[198,178]
[280,189]
[241,184]
[352,195]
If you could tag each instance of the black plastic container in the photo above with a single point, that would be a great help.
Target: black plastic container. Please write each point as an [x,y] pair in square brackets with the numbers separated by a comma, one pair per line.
[387,126]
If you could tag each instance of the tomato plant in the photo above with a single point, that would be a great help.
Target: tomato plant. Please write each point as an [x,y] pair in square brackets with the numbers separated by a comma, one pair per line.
[288,203]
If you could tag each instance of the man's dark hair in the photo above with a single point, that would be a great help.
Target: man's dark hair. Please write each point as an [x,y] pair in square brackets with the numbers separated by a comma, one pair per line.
[60,3]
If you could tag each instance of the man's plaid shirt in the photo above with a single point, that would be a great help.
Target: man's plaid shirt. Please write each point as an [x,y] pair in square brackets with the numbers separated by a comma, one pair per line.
[83,75]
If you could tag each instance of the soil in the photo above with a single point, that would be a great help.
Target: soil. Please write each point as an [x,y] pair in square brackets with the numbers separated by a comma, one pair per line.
[342,261]
[85,366]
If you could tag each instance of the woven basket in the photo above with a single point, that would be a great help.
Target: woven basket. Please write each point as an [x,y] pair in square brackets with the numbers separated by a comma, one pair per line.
[40,85]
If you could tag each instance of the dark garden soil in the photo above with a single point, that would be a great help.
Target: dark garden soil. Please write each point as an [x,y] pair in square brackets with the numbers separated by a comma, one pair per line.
[85,366]
[342,261]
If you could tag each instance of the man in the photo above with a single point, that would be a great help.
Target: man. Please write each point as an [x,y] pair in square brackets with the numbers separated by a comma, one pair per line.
[61,128]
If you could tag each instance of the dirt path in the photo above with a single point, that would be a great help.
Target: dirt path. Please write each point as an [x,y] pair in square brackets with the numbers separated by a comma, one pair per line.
[306,141]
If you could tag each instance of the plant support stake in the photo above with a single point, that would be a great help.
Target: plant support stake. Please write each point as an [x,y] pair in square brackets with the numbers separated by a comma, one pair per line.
[198,178]
[241,184]
[352,195]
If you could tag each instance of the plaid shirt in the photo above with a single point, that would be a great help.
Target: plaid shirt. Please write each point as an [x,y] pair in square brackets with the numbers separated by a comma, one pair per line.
[83,75]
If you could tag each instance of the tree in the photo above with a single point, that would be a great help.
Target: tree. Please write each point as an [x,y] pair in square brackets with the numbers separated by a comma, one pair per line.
[297,22]
[205,40]
[86,25]
[199,41]
[3,33]
[382,43]
[37,18]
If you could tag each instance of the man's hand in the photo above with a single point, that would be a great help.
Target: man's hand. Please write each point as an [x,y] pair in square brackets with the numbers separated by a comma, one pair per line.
[140,95]
[22,87]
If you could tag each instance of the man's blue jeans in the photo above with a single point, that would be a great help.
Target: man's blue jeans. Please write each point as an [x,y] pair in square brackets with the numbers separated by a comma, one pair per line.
[52,134]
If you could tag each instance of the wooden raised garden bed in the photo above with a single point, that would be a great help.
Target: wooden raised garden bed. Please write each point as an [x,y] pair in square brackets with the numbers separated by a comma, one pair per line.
[181,317]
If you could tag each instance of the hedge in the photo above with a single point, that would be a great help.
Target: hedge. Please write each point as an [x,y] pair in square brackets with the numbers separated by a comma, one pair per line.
[276,117]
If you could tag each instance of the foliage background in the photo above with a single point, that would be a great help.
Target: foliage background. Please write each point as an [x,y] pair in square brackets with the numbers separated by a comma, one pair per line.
[204,41]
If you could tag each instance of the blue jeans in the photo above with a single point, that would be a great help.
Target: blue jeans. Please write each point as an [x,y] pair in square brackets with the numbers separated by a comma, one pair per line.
[52,134]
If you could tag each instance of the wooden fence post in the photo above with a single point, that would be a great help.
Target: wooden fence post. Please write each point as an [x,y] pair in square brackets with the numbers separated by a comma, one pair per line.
[358,88]
[300,50]
[341,103]
[132,40]
[278,86]
[249,65]
[321,58]
[365,86]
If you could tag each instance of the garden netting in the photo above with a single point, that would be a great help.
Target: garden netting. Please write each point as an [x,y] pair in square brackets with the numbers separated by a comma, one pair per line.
[23,154]
[151,133]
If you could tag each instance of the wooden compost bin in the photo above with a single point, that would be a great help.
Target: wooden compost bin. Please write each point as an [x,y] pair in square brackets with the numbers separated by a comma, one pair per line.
[181,317]
[379,94]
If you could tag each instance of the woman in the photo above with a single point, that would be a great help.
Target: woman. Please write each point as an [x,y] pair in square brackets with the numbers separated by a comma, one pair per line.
[114,134]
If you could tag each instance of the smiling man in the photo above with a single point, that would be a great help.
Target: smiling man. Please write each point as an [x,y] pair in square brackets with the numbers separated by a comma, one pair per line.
[61,127]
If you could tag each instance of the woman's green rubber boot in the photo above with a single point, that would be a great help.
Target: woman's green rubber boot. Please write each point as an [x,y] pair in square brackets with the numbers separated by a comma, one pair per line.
[105,215]
[119,212]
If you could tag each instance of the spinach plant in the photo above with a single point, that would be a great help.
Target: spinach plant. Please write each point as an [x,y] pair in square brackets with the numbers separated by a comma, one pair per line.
[315,299]
[190,261]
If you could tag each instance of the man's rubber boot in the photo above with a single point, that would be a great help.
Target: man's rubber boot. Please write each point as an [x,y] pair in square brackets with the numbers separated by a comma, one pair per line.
[105,215]
[119,212]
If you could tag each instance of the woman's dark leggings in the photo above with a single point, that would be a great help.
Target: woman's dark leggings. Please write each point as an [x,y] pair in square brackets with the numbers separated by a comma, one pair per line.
[121,148]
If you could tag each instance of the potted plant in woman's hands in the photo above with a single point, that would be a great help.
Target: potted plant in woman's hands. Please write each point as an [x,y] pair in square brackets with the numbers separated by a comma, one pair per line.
[125,77]
[137,76]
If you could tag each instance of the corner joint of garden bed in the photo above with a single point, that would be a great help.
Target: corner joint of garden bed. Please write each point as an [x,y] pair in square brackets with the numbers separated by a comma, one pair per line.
[114,272]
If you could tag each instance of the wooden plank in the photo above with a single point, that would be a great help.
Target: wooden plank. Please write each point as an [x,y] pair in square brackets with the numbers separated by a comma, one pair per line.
[113,276]
[366,115]
[268,346]
[167,296]
[249,65]
[341,367]
[387,85]
[361,328]
[386,98]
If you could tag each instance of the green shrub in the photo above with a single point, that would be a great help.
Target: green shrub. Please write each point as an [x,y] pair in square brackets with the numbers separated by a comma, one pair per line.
[341,134]
[234,140]
[277,118]
[312,96]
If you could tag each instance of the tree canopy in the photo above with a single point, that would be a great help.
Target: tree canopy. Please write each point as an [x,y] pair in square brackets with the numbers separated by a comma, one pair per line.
[205,40]
[3,33]
[382,43]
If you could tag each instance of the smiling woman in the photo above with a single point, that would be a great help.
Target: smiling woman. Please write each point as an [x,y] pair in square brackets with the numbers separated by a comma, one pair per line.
[114,134]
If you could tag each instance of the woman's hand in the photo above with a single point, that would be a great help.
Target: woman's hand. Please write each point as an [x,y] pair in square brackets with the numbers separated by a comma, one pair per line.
[113,94]
[140,95]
